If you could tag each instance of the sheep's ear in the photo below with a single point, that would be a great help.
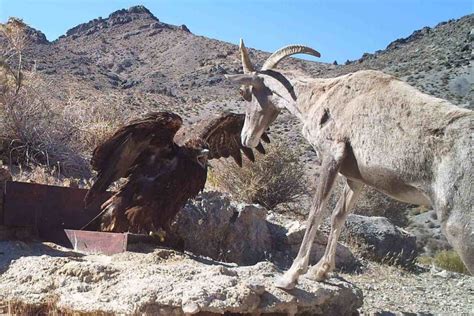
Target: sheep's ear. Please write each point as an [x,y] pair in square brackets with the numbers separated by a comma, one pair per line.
[245,79]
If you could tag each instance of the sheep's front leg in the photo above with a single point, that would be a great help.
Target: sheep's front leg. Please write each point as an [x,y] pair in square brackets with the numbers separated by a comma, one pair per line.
[347,200]
[330,167]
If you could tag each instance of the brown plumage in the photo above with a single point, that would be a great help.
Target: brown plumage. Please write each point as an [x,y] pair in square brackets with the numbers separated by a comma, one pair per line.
[163,170]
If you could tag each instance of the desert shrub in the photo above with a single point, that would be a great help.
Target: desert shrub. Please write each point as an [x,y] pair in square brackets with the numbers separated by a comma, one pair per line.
[49,176]
[32,131]
[450,260]
[90,122]
[275,178]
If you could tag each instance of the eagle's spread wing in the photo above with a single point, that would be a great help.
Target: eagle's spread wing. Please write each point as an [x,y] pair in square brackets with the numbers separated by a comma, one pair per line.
[222,134]
[117,155]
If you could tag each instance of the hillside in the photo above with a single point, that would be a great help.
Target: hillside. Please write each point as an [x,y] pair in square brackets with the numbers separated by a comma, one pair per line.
[132,52]
[436,60]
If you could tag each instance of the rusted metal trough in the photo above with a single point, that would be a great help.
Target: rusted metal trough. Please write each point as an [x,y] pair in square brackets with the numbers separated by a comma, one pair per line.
[57,214]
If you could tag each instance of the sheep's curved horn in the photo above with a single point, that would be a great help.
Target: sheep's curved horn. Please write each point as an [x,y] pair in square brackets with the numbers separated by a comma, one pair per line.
[244,54]
[277,56]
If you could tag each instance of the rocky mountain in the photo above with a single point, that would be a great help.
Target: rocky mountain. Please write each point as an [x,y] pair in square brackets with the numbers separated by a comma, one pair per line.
[436,60]
[133,52]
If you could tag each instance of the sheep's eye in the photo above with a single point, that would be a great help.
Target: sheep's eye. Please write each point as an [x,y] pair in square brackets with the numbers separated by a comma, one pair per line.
[246,94]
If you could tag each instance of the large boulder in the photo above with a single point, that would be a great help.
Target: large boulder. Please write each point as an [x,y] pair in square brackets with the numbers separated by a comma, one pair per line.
[380,240]
[214,226]
[429,236]
[38,278]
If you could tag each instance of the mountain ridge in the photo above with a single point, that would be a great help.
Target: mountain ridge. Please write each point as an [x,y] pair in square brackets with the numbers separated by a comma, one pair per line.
[124,16]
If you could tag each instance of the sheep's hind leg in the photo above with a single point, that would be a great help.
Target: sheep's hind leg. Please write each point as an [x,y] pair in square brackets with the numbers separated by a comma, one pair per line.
[347,200]
[330,166]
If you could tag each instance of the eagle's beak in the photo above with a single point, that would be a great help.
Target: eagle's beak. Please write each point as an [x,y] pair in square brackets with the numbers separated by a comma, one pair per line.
[202,158]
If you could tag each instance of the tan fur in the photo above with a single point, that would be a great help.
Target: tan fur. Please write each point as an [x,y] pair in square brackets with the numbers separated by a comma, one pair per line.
[375,130]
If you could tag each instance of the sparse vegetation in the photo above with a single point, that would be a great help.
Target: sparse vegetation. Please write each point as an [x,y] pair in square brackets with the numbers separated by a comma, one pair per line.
[449,260]
[274,179]
[445,259]
[49,176]
[32,131]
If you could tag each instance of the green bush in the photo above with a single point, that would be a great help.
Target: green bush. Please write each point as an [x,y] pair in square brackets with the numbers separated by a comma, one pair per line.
[450,260]
[445,259]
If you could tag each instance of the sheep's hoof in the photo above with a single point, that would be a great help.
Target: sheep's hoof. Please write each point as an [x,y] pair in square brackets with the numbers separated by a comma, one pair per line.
[285,282]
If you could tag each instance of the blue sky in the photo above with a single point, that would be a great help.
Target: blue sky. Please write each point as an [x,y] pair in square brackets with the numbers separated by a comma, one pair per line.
[339,29]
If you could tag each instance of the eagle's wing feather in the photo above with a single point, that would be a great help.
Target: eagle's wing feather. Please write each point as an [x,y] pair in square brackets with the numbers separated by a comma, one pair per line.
[153,194]
[117,155]
[222,134]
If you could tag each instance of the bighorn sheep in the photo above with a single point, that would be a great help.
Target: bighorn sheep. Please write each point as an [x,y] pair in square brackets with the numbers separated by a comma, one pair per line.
[374,130]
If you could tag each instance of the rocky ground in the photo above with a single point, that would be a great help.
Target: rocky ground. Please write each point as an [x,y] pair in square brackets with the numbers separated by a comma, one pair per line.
[172,283]
[158,281]
[234,252]
[427,229]
[390,290]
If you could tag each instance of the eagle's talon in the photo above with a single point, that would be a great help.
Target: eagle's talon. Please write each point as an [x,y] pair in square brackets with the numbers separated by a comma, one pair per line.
[160,234]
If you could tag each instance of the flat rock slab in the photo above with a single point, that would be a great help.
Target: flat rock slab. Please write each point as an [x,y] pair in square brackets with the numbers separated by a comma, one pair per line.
[158,281]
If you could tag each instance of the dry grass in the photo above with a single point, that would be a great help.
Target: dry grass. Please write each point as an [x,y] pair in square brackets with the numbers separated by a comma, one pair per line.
[38,129]
[445,259]
[275,178]
[48,176]
[450,260]
[47,308]
[34,133]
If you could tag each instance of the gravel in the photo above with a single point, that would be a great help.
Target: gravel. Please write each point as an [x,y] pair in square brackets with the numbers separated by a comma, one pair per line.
[391,289]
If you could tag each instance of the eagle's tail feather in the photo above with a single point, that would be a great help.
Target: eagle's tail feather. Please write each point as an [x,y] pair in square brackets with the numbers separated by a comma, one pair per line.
[114,218]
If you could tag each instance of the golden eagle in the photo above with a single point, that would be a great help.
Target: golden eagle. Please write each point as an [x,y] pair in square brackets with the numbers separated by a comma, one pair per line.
[163,168]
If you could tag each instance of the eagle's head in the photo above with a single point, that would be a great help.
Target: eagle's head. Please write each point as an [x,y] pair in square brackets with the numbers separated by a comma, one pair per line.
[198,150]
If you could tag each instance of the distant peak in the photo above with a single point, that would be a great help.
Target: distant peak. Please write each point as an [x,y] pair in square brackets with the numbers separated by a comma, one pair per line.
[118,17]
[183,27]
[138,9]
